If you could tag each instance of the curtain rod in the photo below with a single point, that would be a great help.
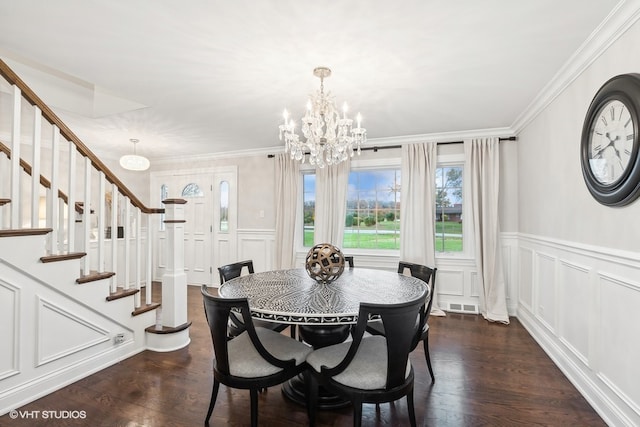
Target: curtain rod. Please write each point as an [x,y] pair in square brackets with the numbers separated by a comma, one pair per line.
[386,147]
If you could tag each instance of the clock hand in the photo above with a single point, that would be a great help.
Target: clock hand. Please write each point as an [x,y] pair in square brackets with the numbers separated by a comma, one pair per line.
[611,142]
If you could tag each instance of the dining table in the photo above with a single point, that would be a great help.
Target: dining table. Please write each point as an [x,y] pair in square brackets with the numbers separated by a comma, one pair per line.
[322,312]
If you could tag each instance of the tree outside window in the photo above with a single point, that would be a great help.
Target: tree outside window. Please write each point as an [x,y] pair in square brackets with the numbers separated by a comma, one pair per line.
[448,227]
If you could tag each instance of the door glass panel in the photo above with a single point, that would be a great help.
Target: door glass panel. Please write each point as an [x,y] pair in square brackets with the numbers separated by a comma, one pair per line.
[192,190]
[224,206]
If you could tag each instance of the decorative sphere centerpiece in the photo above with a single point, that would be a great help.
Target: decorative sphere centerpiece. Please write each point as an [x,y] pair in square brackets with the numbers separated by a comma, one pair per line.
[324,263]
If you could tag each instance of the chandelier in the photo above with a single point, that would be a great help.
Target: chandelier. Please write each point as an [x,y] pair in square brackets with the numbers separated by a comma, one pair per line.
[329,138]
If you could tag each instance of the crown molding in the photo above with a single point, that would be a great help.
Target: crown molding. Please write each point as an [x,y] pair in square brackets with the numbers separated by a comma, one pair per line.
[619,20]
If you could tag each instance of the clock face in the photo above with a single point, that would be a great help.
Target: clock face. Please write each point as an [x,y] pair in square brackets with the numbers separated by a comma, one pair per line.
[611,142]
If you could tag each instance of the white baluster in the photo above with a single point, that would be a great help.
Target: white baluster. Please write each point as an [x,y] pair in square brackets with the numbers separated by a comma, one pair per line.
[16,218]
[35,168]
[86,217]
[138,255]
[127,237]
[114,237]
[101,220]
[53,211]
[149,278]
[71,200]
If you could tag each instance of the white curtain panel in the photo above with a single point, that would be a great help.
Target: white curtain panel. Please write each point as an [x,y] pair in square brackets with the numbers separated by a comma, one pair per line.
[482,157]
[332,183]
[417,217]
[287,189]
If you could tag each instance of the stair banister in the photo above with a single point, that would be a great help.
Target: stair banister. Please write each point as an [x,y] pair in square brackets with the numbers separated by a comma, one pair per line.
[78,204]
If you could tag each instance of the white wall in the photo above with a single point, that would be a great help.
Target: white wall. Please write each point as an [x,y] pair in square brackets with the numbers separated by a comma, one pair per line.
[578,261]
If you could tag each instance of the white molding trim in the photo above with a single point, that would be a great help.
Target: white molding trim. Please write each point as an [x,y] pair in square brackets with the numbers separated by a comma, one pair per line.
[621,18]
[622,257]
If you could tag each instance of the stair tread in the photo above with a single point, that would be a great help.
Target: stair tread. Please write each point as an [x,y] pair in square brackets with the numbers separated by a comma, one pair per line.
[62,257]
[94,275]
[122,293]
[24,232]
[167,329]
[144,308]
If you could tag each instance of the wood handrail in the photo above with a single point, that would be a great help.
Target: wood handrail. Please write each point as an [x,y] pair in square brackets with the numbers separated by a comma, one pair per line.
[52,118]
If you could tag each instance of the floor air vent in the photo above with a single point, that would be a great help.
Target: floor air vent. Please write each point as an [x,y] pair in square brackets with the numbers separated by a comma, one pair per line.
[463,308]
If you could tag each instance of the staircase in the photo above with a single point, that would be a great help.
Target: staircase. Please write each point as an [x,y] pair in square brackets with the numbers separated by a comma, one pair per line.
[76,257]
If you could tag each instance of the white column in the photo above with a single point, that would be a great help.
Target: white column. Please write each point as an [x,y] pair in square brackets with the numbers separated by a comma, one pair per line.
[174,280]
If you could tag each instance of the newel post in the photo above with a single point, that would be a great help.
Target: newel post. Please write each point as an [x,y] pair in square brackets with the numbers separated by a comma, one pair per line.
[171,331]
[174,280]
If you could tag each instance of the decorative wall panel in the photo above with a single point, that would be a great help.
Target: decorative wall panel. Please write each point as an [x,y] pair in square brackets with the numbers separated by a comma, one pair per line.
[79,333]
[545,281]
[618,329]
[10,327]
[575,299]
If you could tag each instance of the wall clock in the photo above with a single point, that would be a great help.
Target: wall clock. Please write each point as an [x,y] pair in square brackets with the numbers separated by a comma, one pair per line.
[610,152]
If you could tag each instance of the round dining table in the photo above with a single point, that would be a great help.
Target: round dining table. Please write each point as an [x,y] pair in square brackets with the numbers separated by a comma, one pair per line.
[324,312]
[292,296]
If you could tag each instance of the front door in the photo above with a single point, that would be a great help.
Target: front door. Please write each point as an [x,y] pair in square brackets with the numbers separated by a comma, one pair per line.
[211,220]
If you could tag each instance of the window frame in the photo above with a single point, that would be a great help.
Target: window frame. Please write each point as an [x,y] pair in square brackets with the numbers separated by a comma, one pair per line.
[443,160]
[452,160]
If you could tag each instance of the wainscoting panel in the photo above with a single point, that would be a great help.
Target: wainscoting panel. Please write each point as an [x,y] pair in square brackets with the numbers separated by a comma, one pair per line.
[450,282]
[9,319]
[619,325]
[546,290]
[582,305]
[575,297]
[80,333]
[525,278]
[257,245]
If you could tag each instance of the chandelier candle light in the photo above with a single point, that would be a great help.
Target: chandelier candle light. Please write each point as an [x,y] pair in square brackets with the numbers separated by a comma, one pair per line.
[329,138]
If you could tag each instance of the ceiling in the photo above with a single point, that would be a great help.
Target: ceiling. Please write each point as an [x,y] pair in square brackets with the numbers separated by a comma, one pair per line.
[210,76]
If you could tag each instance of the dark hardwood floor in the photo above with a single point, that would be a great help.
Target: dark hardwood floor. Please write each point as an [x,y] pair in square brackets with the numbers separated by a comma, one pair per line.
[486,375]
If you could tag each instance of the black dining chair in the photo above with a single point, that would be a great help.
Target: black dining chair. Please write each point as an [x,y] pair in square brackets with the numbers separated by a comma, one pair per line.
[236,325]
[372,368]
[255,359]
[427,275]
[349,260]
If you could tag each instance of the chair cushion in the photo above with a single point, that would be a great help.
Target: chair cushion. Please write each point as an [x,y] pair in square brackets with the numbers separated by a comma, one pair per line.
[246,362]
[367,371]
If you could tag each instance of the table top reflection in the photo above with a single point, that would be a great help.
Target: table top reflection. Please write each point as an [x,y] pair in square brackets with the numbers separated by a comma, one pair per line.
[291,296]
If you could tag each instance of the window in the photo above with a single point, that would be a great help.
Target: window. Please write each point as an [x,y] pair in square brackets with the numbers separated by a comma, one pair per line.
[373,209]
[224,206]
[192,190]
[309,207]
[448,213]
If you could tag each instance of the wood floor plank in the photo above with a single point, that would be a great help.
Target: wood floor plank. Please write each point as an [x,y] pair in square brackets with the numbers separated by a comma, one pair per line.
[486,375]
